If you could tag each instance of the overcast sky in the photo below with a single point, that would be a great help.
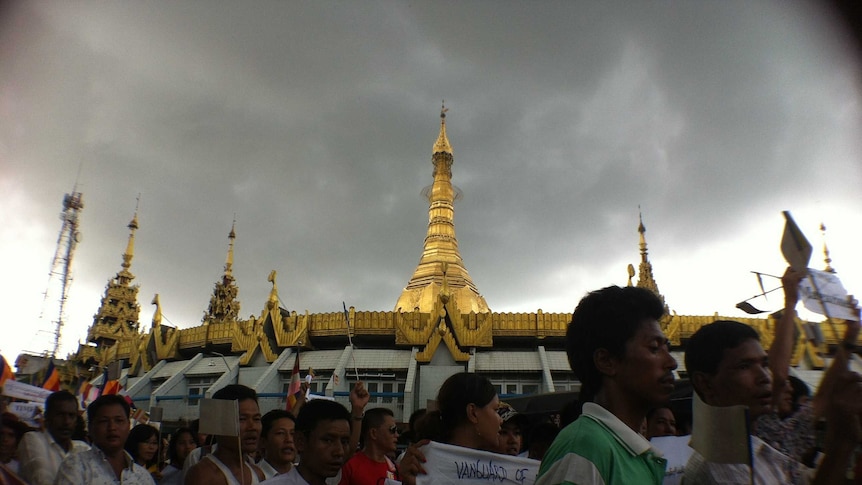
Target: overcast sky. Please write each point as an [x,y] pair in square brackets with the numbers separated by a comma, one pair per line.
[313,123]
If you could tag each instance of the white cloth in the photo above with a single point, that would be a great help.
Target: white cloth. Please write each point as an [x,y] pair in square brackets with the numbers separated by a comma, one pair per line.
[228,475]
[290,478]
[91,467]
[770,467]
[40,456]
[268,470]
[455,465]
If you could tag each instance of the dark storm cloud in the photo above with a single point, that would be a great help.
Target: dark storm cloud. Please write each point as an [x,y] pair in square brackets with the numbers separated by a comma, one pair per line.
[313,124]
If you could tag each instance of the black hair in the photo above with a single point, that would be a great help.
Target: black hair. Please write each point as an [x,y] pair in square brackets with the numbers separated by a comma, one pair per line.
[9,420]
[606,319]
[318,410]
[235,392]
[139,434]
[106,400]
[172,445]
[652,411]
[58,397]
[373,418]
[800,389]
[454,395]
[271,417]
[705,349]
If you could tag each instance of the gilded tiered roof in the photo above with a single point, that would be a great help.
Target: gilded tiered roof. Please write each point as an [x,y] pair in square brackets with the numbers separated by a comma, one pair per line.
[440,252]
[224,306]
[117,317]
[645,276]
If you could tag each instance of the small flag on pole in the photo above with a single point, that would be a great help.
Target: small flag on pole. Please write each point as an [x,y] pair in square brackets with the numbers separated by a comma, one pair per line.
[295,387]
[52,378]
[5,371]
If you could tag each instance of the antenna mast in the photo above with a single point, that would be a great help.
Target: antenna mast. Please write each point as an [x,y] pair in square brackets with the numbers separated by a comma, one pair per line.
[61,266]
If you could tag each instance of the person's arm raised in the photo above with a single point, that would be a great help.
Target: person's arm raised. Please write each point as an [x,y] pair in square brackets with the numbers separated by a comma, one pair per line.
[781,349]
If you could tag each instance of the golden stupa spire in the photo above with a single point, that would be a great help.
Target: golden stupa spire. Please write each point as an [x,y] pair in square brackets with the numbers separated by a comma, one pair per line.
[118,313]
[645,276]
[826,258]
[441,245]
[228,264]
[224,306]
[130,246]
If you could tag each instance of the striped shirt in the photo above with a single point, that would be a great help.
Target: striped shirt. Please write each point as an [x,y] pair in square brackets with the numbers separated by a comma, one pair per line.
[600,449]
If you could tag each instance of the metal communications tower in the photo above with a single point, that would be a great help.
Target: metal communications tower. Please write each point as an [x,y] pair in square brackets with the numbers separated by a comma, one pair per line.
[61,266]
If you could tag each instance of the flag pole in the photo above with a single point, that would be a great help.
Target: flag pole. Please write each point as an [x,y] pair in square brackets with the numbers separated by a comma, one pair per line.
[350,339]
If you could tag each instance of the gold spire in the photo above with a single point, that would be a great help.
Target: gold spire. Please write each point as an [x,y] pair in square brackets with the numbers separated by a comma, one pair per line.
[224,306]
[228,265]
[826,258]
[441,246]
[442,143]
[118,313]
[130,247]
[645,276]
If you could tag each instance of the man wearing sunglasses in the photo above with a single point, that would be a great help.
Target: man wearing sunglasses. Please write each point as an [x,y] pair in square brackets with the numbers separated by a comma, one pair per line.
[379,439]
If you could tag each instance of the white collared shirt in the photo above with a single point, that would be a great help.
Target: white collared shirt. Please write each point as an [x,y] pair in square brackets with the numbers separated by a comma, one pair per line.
[40,456]
[92,467]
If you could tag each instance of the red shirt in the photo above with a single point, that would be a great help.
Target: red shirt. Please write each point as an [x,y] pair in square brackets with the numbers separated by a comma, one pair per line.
[362,470]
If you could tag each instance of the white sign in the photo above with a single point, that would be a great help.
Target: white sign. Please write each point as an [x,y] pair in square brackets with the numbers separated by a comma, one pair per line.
[451,465]
[832,295]
[219,417]
[19,390]
[27,412]
[676,451]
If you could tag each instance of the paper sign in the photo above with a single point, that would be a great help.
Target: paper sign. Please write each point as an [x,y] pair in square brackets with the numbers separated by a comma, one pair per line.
[832,295]
[156,414]
[115,369]
[219,417]
[28,412]
[676,451]
[721,434]
[450,465]
[794,246]
[19,390]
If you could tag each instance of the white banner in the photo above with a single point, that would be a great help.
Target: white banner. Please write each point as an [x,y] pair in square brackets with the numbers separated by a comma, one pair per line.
[451,465]
[28,412]
[832,295]
[19,390]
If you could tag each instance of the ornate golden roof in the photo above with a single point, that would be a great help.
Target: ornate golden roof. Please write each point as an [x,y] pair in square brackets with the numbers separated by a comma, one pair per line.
[224,306]
[117,317]
[441,246]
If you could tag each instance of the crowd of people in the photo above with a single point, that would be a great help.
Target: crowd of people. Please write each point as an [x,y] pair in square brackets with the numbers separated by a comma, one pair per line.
[615,346]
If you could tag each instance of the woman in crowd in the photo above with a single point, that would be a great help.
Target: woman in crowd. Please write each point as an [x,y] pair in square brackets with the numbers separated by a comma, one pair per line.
[11,431]
[143,445]
[181,445]
[466,416]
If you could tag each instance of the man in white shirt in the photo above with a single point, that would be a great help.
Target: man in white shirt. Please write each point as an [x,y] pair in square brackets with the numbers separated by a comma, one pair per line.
[107,462]
[41,452]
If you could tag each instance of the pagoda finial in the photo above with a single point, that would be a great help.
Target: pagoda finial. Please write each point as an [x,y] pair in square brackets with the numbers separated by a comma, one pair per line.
[441,264]
[826,258]
[130,247]
[228,265]
[442,143]
[645,276]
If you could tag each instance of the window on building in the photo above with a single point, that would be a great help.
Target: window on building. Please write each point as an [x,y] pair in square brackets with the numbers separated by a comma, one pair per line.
[516,384]
[565,381]
[198,387]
